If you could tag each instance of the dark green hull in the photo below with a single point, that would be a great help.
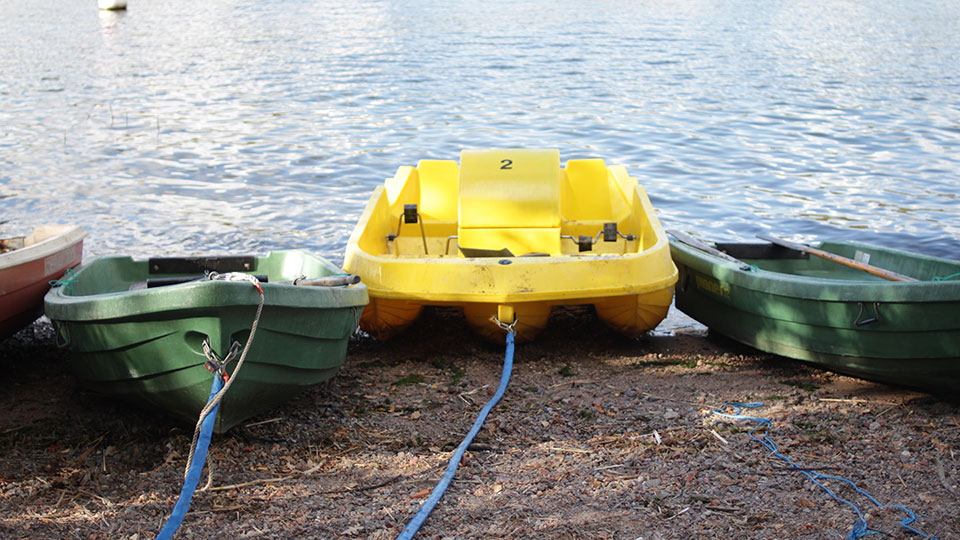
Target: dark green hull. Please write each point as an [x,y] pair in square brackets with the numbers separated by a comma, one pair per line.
[145,345]
[812,309]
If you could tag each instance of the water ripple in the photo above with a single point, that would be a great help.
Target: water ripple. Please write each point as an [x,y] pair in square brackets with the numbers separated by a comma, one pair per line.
[181,127]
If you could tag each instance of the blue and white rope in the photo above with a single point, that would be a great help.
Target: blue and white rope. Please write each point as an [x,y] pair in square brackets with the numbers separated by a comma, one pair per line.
[860,528]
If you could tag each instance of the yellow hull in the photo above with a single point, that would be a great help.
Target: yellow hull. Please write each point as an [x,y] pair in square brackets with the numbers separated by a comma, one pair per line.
[524,228]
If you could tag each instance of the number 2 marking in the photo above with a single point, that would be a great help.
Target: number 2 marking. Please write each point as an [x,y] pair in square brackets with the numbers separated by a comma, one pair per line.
[506,163]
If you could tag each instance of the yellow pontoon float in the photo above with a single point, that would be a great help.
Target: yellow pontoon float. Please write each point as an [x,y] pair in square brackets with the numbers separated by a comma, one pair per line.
[507,235]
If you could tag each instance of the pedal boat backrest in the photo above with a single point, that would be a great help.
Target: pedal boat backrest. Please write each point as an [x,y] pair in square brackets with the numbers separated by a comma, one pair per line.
[431,189]
[509,202]
[592,193]
[438,190]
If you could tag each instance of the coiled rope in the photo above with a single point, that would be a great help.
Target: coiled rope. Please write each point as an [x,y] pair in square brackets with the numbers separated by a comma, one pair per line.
[421,516]
[860,528]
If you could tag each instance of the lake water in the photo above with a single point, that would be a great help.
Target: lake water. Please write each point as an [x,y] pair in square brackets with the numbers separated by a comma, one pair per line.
[246,126]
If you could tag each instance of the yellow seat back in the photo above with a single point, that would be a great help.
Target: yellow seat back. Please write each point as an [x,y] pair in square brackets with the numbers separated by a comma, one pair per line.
[510,199]
[438,189]
[590,194]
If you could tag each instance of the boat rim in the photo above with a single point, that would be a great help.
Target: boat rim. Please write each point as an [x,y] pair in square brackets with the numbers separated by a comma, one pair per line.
[67,235]
[843,290]
[68,307]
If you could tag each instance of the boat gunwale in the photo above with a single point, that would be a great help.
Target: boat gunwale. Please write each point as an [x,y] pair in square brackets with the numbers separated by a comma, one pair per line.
[357,259]
[216,294]
[550,295]
[69,236]
[824,289]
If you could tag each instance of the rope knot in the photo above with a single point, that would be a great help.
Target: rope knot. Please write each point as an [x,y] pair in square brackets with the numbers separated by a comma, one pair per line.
[66,281]
[236,276]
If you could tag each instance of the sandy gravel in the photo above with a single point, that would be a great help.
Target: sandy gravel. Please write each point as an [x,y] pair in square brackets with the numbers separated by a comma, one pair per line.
[598,436]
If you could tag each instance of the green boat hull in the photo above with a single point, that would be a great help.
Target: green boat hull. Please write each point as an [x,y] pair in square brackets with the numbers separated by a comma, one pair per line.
[145,345]
[819,311]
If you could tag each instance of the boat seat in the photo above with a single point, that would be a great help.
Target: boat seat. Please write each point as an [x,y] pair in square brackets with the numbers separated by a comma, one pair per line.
[509,202]
[590,195]
[438,189]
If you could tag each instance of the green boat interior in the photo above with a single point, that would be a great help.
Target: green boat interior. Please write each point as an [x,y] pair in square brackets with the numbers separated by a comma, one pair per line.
[780,259]
[117,274]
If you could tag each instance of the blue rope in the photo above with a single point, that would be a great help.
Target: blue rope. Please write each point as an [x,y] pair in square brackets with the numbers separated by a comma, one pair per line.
[196,467]
[860,528]
[951,276]
[414,525]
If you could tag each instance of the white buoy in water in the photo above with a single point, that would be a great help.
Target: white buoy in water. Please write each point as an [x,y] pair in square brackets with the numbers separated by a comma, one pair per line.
[112,4]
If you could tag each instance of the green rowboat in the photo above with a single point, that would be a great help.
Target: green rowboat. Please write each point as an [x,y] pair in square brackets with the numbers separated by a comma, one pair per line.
[785,302]
[136,329]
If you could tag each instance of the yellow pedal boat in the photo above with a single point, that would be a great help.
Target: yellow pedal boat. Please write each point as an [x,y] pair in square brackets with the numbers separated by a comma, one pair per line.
[508,234]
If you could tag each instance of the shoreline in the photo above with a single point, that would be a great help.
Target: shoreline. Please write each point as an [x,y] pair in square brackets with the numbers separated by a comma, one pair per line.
[598,436]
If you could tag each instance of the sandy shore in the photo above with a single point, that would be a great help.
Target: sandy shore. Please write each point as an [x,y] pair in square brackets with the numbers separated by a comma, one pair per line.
[598,436]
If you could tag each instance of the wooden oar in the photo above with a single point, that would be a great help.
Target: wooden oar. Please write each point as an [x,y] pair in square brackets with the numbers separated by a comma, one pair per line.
[693,242]
[868,268]
[338,280]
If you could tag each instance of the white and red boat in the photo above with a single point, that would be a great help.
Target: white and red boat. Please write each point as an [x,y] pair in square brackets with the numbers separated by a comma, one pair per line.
[27,265]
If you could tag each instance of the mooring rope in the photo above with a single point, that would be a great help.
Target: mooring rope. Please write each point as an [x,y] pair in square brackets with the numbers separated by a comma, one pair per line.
[418,519]
[67,279]
[208,415]
[215,400]
[860,528]
[194,469]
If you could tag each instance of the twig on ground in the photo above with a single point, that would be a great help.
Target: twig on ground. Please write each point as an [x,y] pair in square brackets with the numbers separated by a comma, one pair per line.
[95,496]
[943,478]
[227,508]
[573,450]
[721,508]
[253,483]
[680,513]
[564,383]
[888,409]
[474,391]
[661,398]
[480,447]
[617,466]
[719,438]
[665,430]
[463,395]
[63,493]
[363,488]
[857,400]
[260,423]
[314,469]
[93,445]
[307,472]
